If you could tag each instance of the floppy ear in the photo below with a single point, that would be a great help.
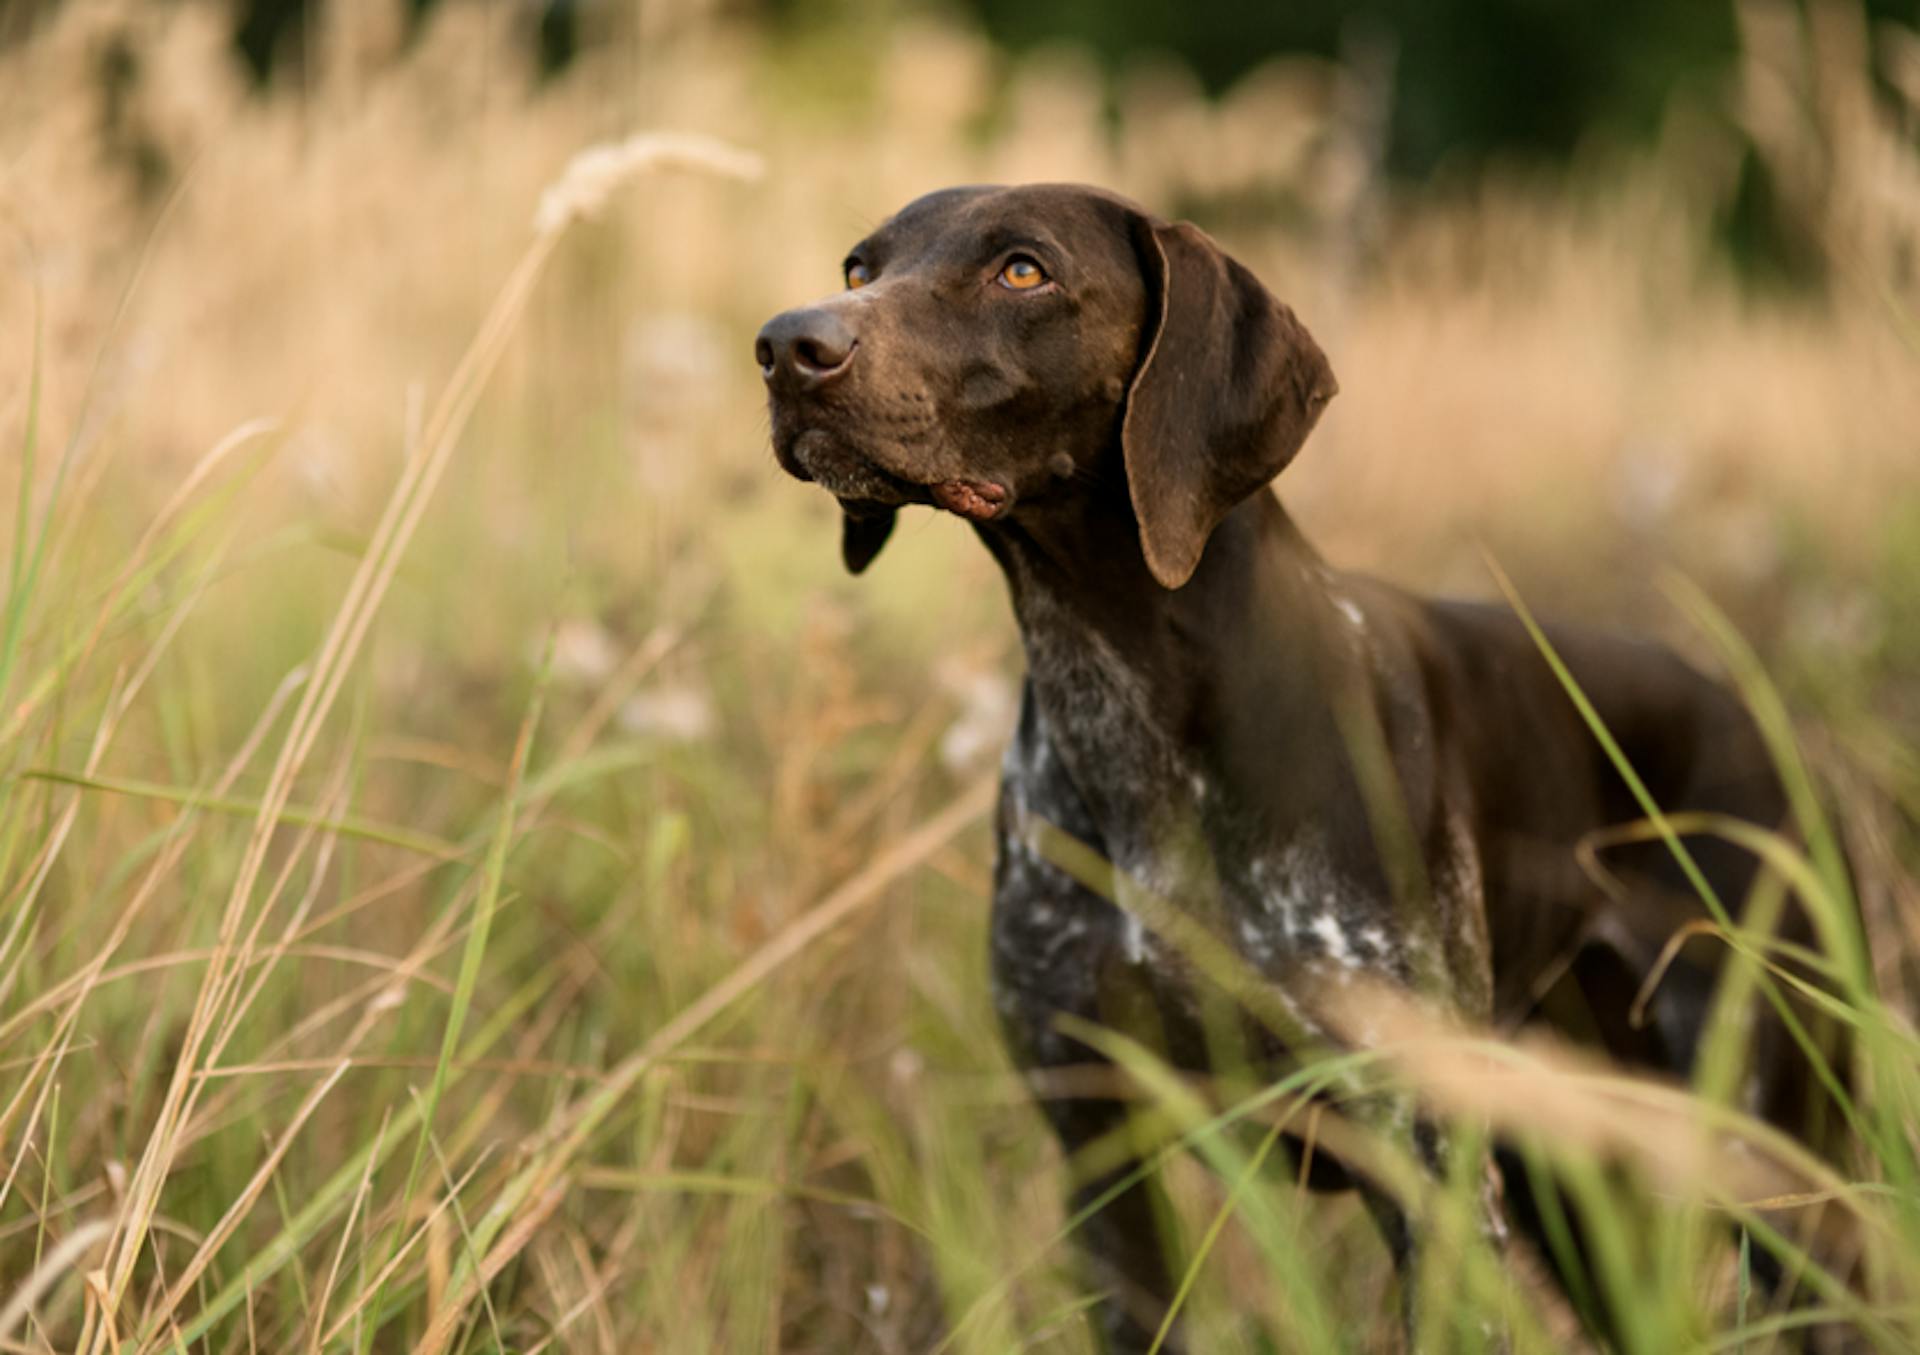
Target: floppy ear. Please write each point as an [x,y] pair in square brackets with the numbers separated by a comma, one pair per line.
[1230,386]
[862,536]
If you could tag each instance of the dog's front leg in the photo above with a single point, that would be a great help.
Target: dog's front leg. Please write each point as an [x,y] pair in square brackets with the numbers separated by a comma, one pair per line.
[1411,1222]
[1117,1203]
[1121,1238]
[1050,945]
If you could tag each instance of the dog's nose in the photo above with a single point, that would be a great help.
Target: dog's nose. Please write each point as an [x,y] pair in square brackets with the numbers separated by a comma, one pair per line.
[804,348]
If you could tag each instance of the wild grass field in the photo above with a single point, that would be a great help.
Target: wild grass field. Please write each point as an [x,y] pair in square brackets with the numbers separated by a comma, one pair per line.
[475,876]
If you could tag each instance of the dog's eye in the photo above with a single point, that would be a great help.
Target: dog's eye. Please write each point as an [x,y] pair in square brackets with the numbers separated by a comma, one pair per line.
[858,276]
[1021,274]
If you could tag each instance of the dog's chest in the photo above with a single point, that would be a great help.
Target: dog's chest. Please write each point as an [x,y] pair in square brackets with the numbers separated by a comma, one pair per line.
[1095,736]
[1062,939]
[1092,759]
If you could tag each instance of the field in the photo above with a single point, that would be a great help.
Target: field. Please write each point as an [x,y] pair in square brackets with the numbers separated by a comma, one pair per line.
[475,875]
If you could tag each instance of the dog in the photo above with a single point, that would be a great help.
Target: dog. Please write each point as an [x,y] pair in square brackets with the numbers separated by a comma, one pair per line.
[1105,397]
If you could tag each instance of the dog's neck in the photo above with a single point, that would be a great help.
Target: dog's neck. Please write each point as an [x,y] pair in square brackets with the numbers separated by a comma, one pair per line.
[1202,686]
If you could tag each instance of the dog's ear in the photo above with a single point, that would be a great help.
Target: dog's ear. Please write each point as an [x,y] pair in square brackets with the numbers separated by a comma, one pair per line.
[862,535]
[1230,386]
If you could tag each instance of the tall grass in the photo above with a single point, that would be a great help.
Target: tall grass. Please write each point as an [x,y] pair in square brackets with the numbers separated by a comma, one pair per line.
[474,877]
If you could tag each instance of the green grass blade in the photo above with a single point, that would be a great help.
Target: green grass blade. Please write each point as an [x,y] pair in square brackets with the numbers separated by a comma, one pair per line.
[366,830]
[1822,1067]
[473,953]
[1835,910]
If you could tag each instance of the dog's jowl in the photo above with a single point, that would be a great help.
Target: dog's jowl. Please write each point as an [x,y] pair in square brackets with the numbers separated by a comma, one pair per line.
[1186,827]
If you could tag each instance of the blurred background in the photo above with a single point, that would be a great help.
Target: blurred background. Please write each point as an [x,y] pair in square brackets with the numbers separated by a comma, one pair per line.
[1610,290]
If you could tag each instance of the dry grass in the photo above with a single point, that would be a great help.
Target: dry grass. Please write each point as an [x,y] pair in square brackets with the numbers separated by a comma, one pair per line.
[473,875]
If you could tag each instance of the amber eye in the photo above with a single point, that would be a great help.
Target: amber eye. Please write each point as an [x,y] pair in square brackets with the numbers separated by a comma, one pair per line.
[1021,274]
[858,276]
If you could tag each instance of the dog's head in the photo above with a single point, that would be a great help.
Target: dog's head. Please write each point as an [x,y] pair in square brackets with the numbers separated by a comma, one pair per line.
[997,347]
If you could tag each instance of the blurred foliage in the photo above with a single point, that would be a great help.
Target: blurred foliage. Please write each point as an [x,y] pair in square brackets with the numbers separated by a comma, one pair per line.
[1471,78]
[1450,86]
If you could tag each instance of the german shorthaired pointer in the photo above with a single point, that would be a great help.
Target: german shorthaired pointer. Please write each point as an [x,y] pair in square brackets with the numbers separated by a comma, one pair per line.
[1104,397]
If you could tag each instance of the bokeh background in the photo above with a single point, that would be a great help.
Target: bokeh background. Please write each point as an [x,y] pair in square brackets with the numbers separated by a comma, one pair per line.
[1612,291]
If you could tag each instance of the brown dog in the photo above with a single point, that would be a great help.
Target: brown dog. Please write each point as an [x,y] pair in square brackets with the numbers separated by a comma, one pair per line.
[1105,396]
